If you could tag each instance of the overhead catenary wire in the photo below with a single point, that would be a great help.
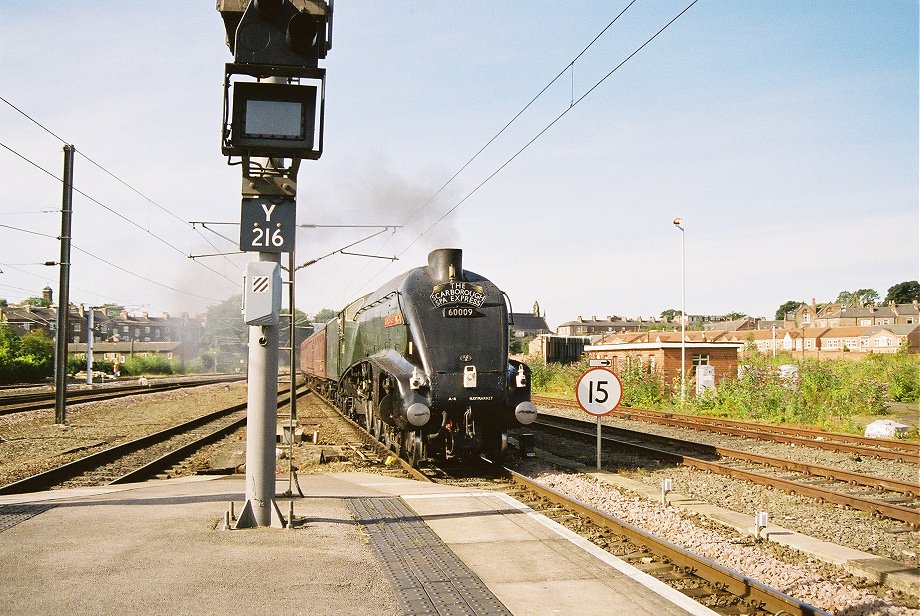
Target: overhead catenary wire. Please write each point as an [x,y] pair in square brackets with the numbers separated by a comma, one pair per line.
[136,275]
[548,126]
[574,102]
[90,160]
[116,178]
[568,67]
[116,213]
[28,273]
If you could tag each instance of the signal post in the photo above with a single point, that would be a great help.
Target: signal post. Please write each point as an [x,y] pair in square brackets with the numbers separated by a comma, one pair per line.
[274,101]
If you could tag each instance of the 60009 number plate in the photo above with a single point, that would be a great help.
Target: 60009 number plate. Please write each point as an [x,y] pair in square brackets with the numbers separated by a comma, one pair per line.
[460,312]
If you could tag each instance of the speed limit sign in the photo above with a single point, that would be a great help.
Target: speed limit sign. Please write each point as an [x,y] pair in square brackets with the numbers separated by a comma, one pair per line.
[599,391]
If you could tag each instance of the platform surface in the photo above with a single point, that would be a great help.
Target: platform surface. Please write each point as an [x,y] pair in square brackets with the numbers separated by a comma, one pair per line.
[157,547]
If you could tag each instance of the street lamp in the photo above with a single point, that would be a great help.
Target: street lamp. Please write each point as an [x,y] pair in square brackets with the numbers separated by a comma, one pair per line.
[678,222]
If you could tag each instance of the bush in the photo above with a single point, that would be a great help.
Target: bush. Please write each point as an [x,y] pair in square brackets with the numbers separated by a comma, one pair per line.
[149,364]
[829,394]
[556,379]
[24,370]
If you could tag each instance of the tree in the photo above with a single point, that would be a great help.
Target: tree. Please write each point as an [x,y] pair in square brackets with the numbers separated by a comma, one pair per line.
[37,345]
[903,292]
[111,310]
[670,314]
[225,337]
[790,306]
[861,297]
[325,315]
[302,330]
[3,302]
[9,342]
[36,301]
[866,296]
[734,316]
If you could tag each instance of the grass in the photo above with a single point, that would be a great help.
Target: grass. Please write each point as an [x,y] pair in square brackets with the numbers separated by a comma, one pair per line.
[837,395]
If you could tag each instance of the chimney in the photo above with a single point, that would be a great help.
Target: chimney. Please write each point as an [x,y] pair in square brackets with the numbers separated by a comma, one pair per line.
[123,314]
[47,294]
[144,314]
[165,315]
[446,265]
[82,311]
[594,317]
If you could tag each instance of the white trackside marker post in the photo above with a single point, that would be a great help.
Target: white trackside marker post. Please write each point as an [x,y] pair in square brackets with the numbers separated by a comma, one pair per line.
[599,392]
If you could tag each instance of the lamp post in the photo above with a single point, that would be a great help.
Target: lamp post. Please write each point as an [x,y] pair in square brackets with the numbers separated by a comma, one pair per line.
[678,222]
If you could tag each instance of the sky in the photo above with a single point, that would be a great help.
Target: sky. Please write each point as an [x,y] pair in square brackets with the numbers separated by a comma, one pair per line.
[784,134]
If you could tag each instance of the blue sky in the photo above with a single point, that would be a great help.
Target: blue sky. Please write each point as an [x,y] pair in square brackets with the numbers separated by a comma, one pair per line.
[784,133]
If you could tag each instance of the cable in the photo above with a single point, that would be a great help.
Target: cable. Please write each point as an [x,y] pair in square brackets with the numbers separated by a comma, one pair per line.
[115,177]
[54,237]
[568,66]
[538,135]
[28,273]
[135,274]
[100,167]
[550,125]
[122,216]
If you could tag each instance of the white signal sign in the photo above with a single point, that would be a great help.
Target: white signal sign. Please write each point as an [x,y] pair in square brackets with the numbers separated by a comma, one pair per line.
[601,363]
[599,391]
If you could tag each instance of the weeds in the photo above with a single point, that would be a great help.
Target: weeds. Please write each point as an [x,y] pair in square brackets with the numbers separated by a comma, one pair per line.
[828,394]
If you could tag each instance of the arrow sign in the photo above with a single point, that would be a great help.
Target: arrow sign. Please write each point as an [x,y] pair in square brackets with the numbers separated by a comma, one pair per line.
[599,363]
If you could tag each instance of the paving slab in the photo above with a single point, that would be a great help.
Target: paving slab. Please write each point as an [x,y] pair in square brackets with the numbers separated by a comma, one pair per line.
[158,547]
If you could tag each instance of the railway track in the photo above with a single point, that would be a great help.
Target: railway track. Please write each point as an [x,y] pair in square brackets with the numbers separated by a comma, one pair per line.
[36,401]
[142,458]
[876,495]
[718,587]
[901,451]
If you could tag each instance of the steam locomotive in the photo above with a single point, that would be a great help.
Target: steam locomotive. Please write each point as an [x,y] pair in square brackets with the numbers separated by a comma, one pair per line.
[423,363]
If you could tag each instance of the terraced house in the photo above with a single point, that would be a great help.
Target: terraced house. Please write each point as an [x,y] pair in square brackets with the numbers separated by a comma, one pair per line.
[123,332]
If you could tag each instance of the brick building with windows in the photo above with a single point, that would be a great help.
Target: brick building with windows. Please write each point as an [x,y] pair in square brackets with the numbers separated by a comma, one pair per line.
[117,327]
[664,357]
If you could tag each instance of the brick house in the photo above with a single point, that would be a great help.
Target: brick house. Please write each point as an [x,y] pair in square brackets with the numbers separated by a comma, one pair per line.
[867,316]
[120,351]
[664,358]
[119,327]
[595,326]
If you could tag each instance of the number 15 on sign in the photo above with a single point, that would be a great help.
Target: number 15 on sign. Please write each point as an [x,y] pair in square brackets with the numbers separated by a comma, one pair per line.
[599,392]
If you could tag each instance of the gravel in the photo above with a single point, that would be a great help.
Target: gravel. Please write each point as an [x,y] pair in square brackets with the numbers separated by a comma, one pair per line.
[806,579]
[855,529]
[31,442]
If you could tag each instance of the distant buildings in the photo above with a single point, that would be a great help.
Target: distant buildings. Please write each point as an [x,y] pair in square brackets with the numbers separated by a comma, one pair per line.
[177,337]
[824,331]
[596,327]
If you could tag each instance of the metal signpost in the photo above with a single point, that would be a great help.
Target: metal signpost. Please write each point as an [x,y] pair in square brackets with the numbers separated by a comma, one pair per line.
[599,392]
[274,99]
